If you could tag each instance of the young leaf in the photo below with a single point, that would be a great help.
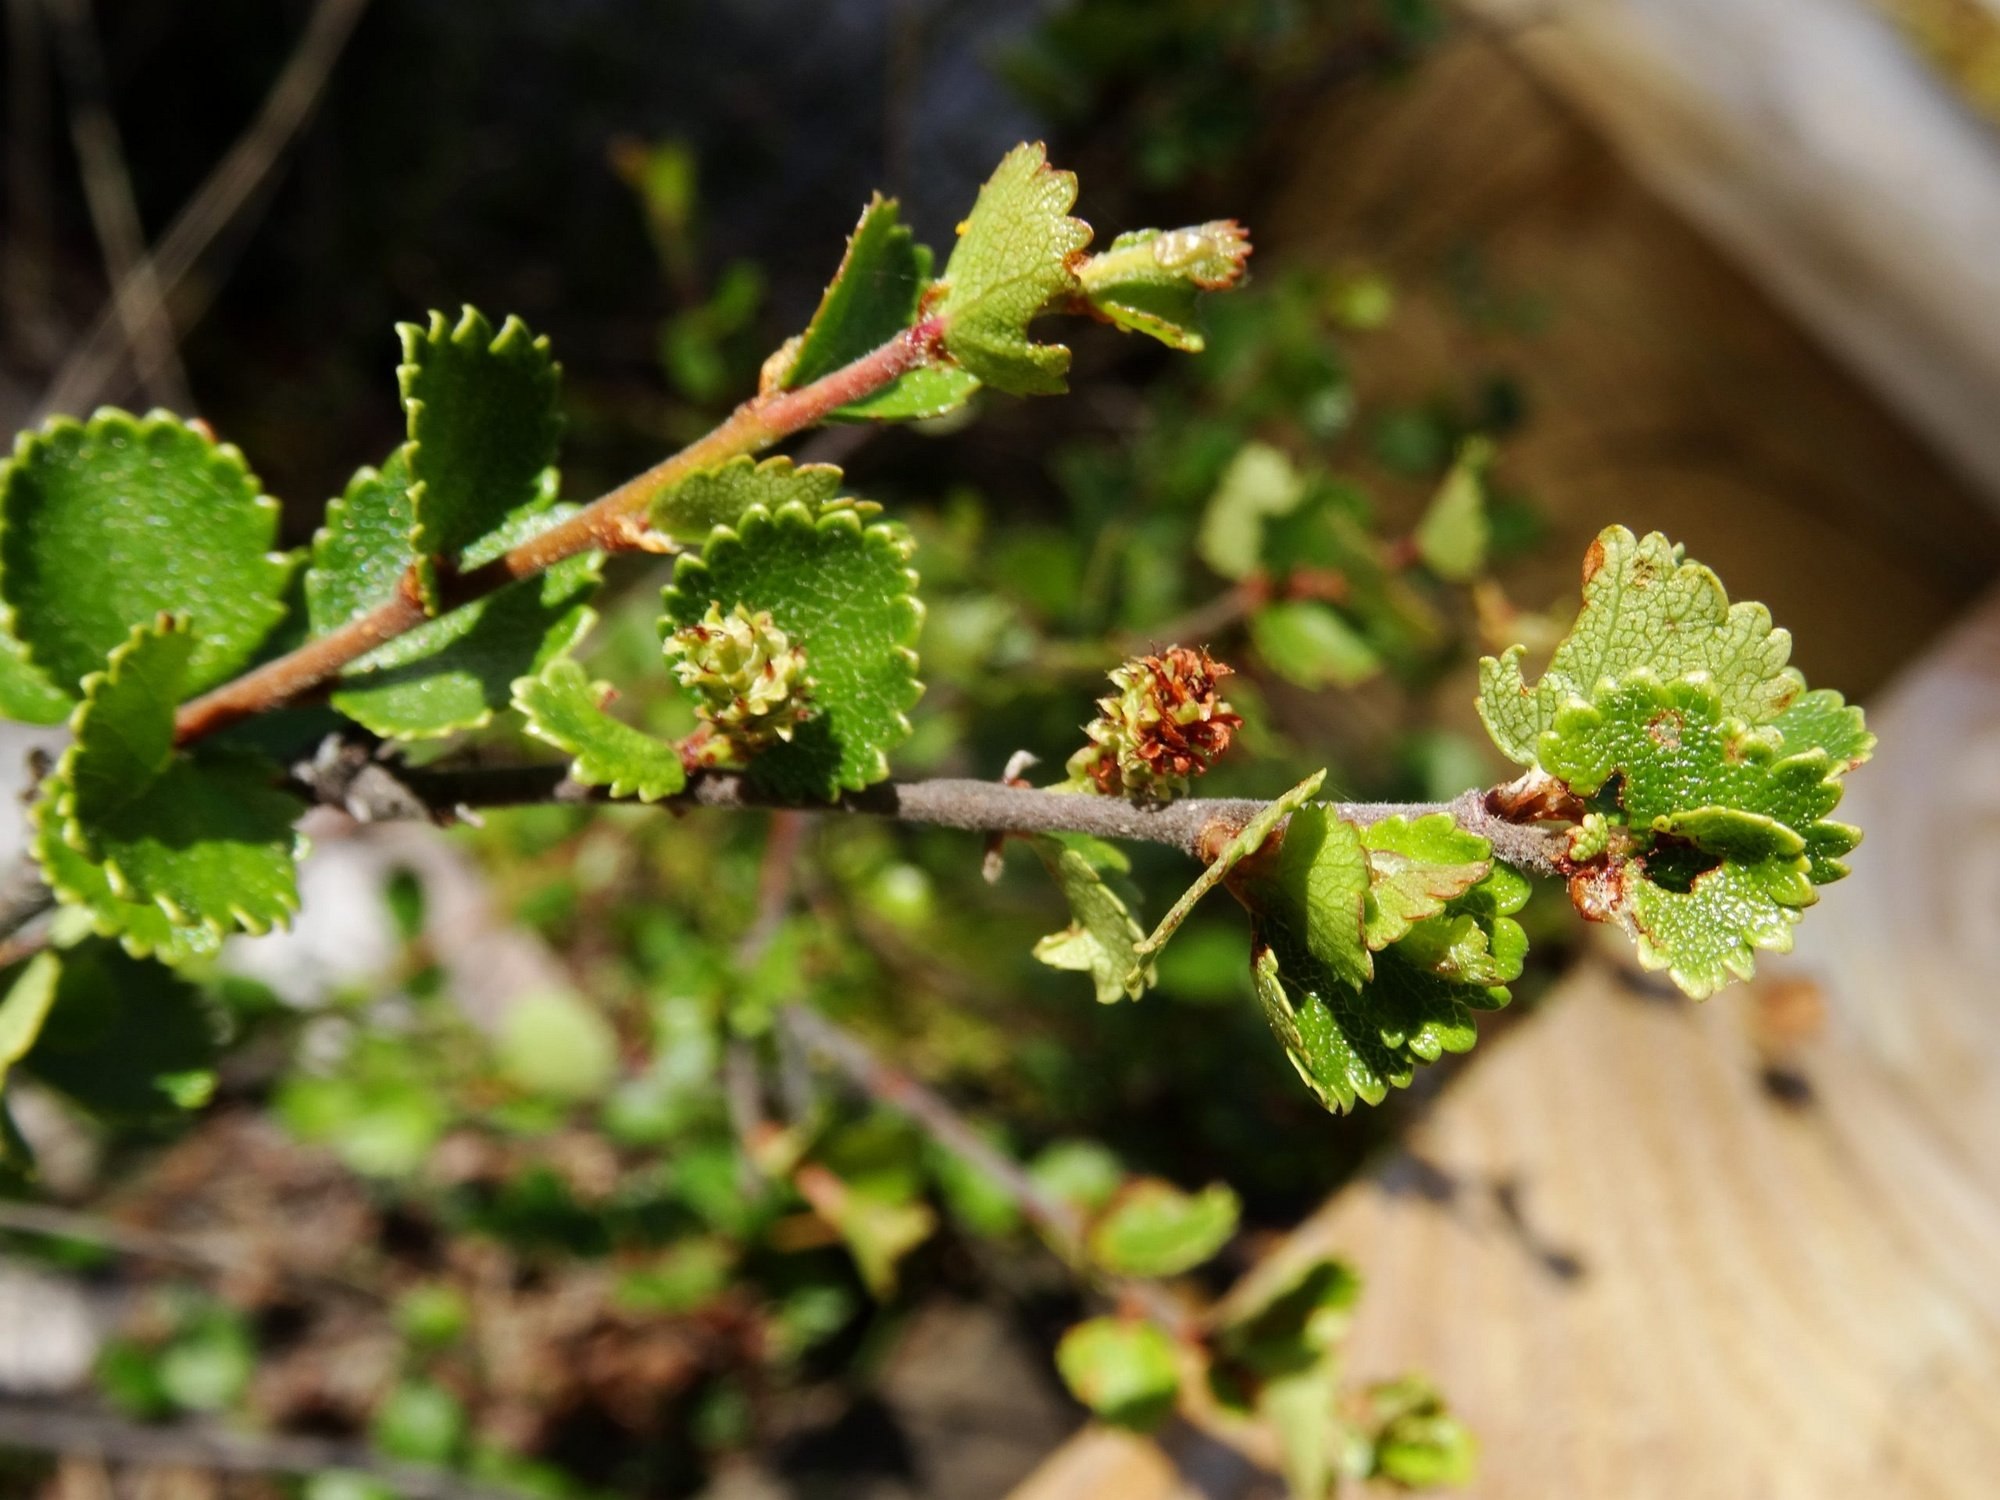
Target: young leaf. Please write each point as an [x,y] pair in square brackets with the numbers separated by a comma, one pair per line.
[1643,606]
[364,548]
[1016,258]
[719,496]
[484,425]
[1453,536]
[1354,1024]
[879,1231]
[1415,868]
[1149,280]
[563,708]
[126,1040]
[1123,1369]
[1315,886]
[841,590]
[1415,1441]
[108,523]
[1248,840]
[1475,940]
[1260,482]
[872,298]
[141,927]
[26,694]
[457,671]
[25,1008]
[1730,821]
[204,837]
[913,396]
[1311,644]
[1103,937]
[1152,1228]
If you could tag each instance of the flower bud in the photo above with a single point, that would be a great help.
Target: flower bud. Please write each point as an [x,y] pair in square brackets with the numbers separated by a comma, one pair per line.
[1166,723]
[749,681]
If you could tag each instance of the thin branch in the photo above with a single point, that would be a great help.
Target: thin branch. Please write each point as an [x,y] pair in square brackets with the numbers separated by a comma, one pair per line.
[1058,1222]
[107,185]
[286,111]
[27,259]
[610,523]
[983,807]
[370,792]
[1061,1226]
[224,1254]
[39,1428]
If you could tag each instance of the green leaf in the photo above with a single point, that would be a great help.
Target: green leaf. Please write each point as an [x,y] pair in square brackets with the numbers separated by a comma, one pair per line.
[209,1363]
[927,391]
[1152,1228]
[1150,279]
[719,496]
[1260,482]
[25,1008]
[1709,934]
[364,548]
[557,1045]
[26,695]
[1416,1441]
[419,1422]
[872,298]
[1248,841]
[1315,886]
[1311,644]
[204,837]
[126,1040]
[1353,1024]
[1123,1369]
[1084,1174]
[1730,821]
[878,1231]
[1454,534]
[842,591]
[484,426]
[106,524]
[1292,1319]
[1823,720]
[563,708]
[457,671]
[1103,937]
[1016,258]
[81,884]
[1644,606]
[1415,868]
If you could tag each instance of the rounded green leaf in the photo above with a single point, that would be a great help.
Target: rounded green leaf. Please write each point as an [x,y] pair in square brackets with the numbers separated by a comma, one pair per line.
[1124,1370]
[1644,606]
[557,1044]
[841,590]
[206,838]
[1152,1228]
[107,524]
[718,497]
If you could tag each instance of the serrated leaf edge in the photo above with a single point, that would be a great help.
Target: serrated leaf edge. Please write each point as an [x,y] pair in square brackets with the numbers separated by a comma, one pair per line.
[61,794]
[843,514]
[222,456]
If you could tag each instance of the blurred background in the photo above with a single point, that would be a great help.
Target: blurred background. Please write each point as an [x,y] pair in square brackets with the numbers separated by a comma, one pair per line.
[475,1204]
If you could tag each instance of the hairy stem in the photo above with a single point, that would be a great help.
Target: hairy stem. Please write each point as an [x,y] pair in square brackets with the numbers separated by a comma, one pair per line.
[612,522]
